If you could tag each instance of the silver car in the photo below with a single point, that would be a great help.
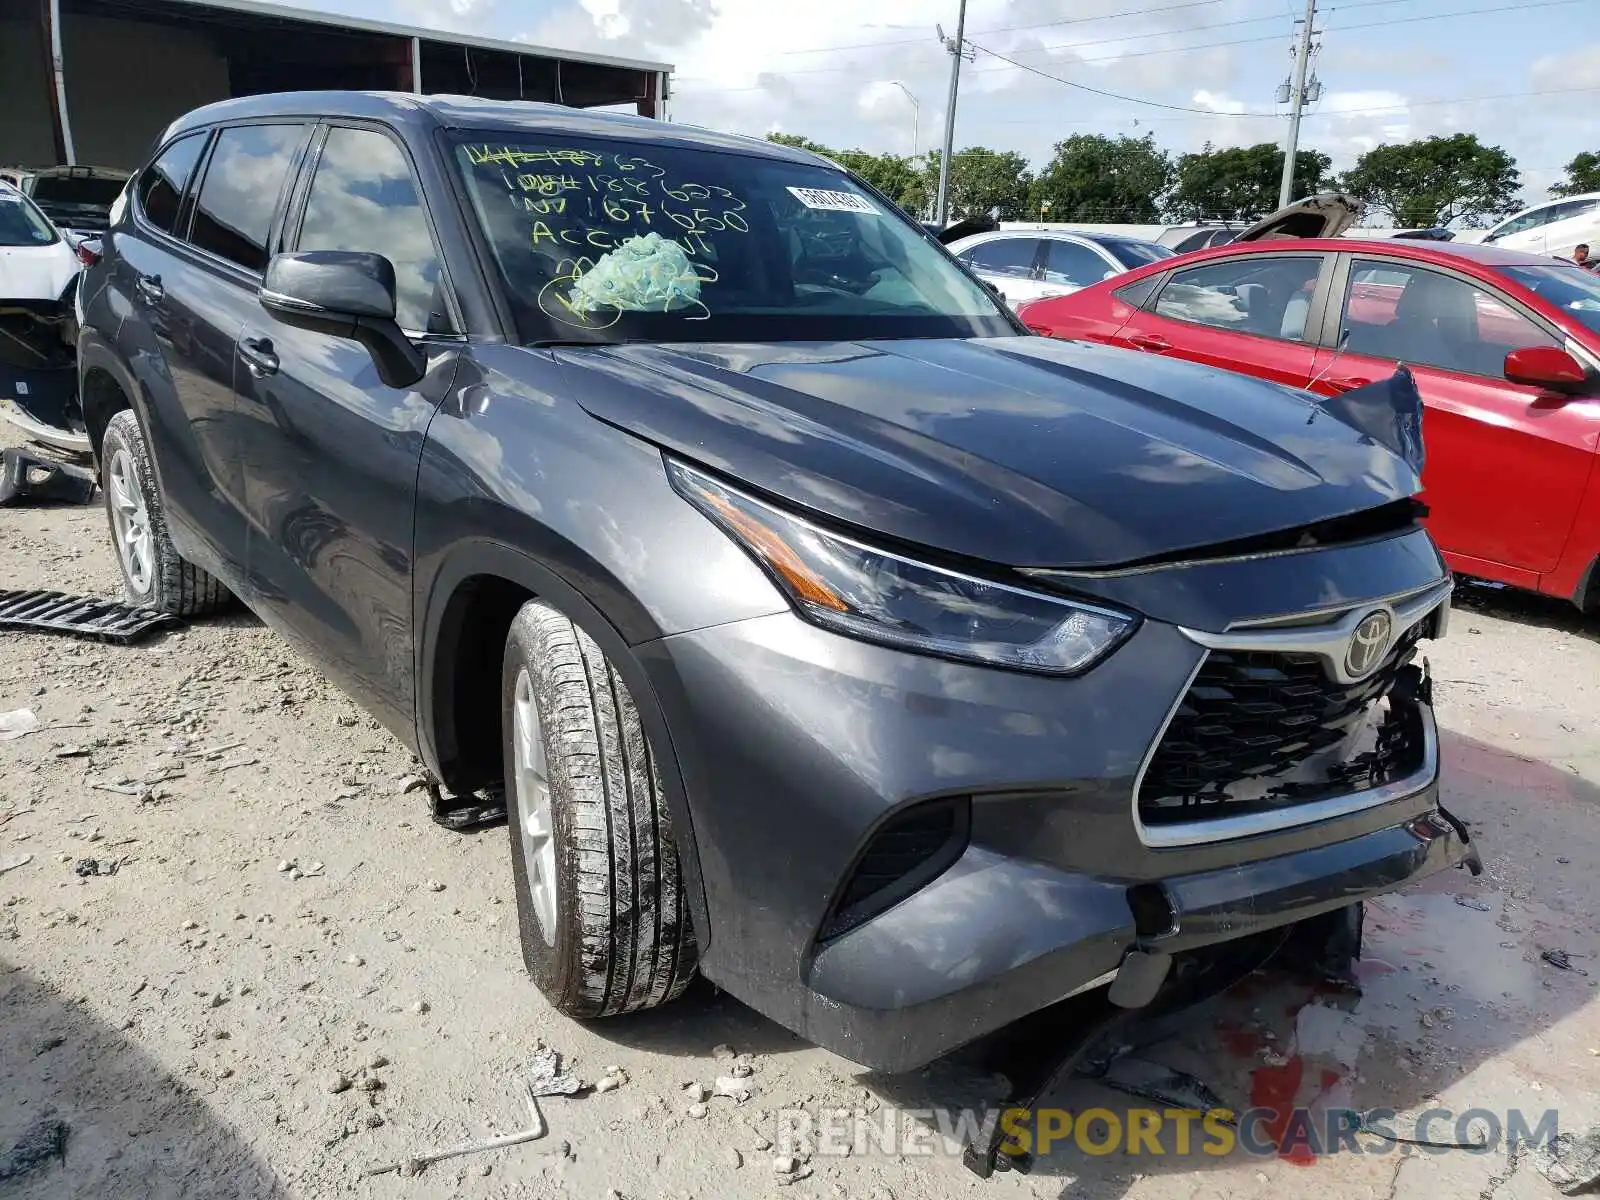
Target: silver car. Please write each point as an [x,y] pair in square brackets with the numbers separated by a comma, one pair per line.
[1030,264]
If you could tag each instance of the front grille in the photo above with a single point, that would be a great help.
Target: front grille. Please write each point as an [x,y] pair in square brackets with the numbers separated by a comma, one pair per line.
[1261,730]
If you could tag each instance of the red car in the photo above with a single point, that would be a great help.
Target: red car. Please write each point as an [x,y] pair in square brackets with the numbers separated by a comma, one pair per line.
[1504,346]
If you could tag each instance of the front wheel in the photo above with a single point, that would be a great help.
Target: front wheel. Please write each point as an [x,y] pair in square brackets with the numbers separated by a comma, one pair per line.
[153,573]
[600,903]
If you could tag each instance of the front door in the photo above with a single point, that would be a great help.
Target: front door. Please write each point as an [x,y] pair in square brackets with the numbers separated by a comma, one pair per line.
[330,453]
[1250,314]
[1506,464]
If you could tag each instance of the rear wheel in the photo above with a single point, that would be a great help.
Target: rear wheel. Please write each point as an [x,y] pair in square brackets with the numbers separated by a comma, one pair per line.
[600,903]
[153,573]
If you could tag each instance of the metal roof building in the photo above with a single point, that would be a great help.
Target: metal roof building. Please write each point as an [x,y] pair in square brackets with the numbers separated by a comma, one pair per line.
[94,82]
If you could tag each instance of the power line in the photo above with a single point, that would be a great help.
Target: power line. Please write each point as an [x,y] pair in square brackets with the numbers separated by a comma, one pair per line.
[1533,4]
[1269,116]
[1084,87]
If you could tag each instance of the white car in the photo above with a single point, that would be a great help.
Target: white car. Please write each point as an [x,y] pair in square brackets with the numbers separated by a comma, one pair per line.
[1030,264]
[1556,228]
[38,371]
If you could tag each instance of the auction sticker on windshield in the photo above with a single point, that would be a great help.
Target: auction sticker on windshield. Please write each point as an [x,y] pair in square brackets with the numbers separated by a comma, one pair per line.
[828,201]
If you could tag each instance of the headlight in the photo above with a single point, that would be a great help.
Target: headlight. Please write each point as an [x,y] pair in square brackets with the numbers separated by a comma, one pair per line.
[881,597]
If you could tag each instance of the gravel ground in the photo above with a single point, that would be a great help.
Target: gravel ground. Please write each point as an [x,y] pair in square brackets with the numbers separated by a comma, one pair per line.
[293,975]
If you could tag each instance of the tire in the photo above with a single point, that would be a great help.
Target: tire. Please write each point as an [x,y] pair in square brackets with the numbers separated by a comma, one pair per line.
[600,901]
[153,573]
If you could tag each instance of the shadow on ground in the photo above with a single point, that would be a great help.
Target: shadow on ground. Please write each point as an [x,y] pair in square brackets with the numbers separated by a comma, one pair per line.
[84,1112]
[1525,608]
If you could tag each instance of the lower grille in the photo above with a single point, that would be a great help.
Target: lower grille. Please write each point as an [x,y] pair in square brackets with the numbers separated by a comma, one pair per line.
[1263,730]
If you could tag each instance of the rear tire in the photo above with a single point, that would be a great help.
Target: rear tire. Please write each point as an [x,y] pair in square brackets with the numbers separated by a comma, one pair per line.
[154,575]
[600,902]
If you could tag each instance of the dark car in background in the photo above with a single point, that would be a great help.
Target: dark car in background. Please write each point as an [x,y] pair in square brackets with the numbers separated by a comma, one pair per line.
[902,672]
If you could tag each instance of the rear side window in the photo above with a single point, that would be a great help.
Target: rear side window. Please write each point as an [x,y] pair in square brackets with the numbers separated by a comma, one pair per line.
[1137,293]
[363,197]
[1262,294]
[161,186]
[1010,257]
[1073,264]
[233,214]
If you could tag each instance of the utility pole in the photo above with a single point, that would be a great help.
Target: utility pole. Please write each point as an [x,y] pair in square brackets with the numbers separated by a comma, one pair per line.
[1297,100]
[957,50]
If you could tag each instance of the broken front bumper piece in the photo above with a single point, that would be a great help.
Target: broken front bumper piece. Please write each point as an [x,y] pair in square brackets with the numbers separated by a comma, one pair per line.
[1227,923]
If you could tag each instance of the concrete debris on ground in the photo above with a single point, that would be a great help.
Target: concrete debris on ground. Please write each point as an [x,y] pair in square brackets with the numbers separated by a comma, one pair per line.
[1561,960]
[17,723]
[1571,1163]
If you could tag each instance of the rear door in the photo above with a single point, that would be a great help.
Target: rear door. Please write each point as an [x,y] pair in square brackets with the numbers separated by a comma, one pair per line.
[186,270]
[1577,222]
[330,452]
[1252,313]
[1506,464]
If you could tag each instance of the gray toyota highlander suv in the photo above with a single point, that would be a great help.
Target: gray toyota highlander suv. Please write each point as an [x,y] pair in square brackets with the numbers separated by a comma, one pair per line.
[830,635]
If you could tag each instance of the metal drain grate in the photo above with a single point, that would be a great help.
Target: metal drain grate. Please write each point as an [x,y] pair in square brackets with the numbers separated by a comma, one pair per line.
[80,616]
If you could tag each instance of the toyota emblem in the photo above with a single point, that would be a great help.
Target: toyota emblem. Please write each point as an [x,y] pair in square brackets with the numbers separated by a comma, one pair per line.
[1368,644]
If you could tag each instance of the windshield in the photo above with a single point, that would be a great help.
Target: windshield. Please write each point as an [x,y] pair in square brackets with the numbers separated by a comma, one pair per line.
[607,241]
[1571,289]
[1131,253]
[21,224]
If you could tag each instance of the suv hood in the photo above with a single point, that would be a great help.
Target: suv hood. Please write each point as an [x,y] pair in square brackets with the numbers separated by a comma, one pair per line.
[1325,215]
[1024,451]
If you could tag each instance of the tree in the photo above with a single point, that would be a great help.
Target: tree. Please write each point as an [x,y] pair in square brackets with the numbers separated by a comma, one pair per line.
[893,175]
[1583,175]
[981,180]
[1240,183]
[1437,180]
[1092,177]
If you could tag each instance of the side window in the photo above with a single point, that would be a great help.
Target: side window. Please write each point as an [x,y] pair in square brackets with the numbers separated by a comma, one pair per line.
[1137,293]
[233,214]
[363,197]
[1269,296]
[162,184]
[1410,314]
[1070,263]
[1527,221]
[1011,257]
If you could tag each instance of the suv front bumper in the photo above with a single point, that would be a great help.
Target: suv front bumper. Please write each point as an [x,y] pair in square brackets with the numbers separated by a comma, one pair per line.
[797,747]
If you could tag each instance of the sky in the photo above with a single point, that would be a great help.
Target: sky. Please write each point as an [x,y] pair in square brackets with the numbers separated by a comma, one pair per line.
[1521,74]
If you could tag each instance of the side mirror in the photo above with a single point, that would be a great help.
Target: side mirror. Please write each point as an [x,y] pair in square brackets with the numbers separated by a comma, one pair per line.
[1548,367]
[347,294]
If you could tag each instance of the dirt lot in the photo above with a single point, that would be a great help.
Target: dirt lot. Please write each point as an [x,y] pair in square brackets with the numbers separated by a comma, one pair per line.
[208,1023]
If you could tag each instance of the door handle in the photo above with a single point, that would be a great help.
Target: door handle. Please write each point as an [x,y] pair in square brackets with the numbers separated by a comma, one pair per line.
[1149,341]
[1345,385]
[259,356]
[149,286]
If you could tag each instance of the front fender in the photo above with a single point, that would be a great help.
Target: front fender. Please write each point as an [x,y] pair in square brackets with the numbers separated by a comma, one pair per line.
[476,557]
